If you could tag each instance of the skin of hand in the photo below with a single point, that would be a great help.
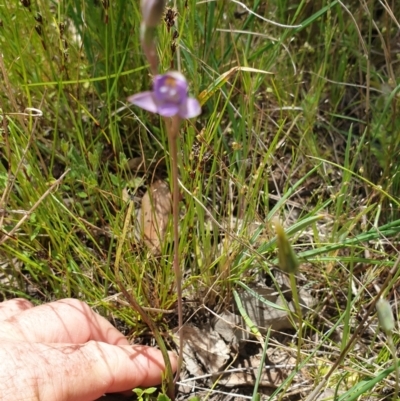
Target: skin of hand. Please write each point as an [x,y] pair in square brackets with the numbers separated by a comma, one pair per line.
[63,351]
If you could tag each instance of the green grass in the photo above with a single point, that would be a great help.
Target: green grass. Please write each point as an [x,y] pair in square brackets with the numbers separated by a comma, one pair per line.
[304,116]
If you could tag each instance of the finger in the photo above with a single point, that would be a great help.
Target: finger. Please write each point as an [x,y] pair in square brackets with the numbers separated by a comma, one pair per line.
[64,321]
[60,372]
[13,306]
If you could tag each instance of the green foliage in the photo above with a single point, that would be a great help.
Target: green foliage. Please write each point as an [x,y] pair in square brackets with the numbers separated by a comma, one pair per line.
[144,394]
[147,394]
[300,122]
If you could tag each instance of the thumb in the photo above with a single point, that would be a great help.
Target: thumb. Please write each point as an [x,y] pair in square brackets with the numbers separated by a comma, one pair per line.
[71,372]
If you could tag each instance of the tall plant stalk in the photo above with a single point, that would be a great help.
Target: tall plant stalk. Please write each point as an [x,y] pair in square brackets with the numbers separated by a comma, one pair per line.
[169,98]
[173,135]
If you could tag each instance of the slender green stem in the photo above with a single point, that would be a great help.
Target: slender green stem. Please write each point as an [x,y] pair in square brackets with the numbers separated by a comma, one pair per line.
[135,305]
[396,365]
[249,323]
[173,134]
[296,301]
[256,395]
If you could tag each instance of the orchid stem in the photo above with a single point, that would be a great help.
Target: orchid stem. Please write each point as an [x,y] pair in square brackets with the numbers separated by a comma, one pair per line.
[298,311]
[173,134]
[135,305]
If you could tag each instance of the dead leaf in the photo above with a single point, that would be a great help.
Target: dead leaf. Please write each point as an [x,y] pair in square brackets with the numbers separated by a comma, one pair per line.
[228,326]
[265,316]
[244,372]
[206,346]
[136,164]
[326,395]
[155,213]
[275,314]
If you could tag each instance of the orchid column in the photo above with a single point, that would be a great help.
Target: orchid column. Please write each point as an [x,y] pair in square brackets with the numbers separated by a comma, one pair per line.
[169,98]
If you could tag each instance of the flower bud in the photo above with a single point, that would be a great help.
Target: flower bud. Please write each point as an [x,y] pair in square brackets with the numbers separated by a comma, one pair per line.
[385,315]
[152,11]
[287,258]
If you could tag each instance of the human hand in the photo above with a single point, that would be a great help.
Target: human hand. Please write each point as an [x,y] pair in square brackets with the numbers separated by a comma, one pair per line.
[63,351]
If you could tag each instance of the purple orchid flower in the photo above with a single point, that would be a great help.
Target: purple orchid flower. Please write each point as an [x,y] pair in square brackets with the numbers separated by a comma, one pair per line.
[169,97]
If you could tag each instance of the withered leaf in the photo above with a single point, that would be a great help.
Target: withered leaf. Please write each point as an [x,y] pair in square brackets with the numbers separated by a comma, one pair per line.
[204,345]
[155,212]
[245,371]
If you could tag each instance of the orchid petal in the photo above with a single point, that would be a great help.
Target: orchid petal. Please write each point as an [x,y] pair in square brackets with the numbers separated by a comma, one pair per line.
[169,97]
[144,100]
[189,109]
[168,110]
